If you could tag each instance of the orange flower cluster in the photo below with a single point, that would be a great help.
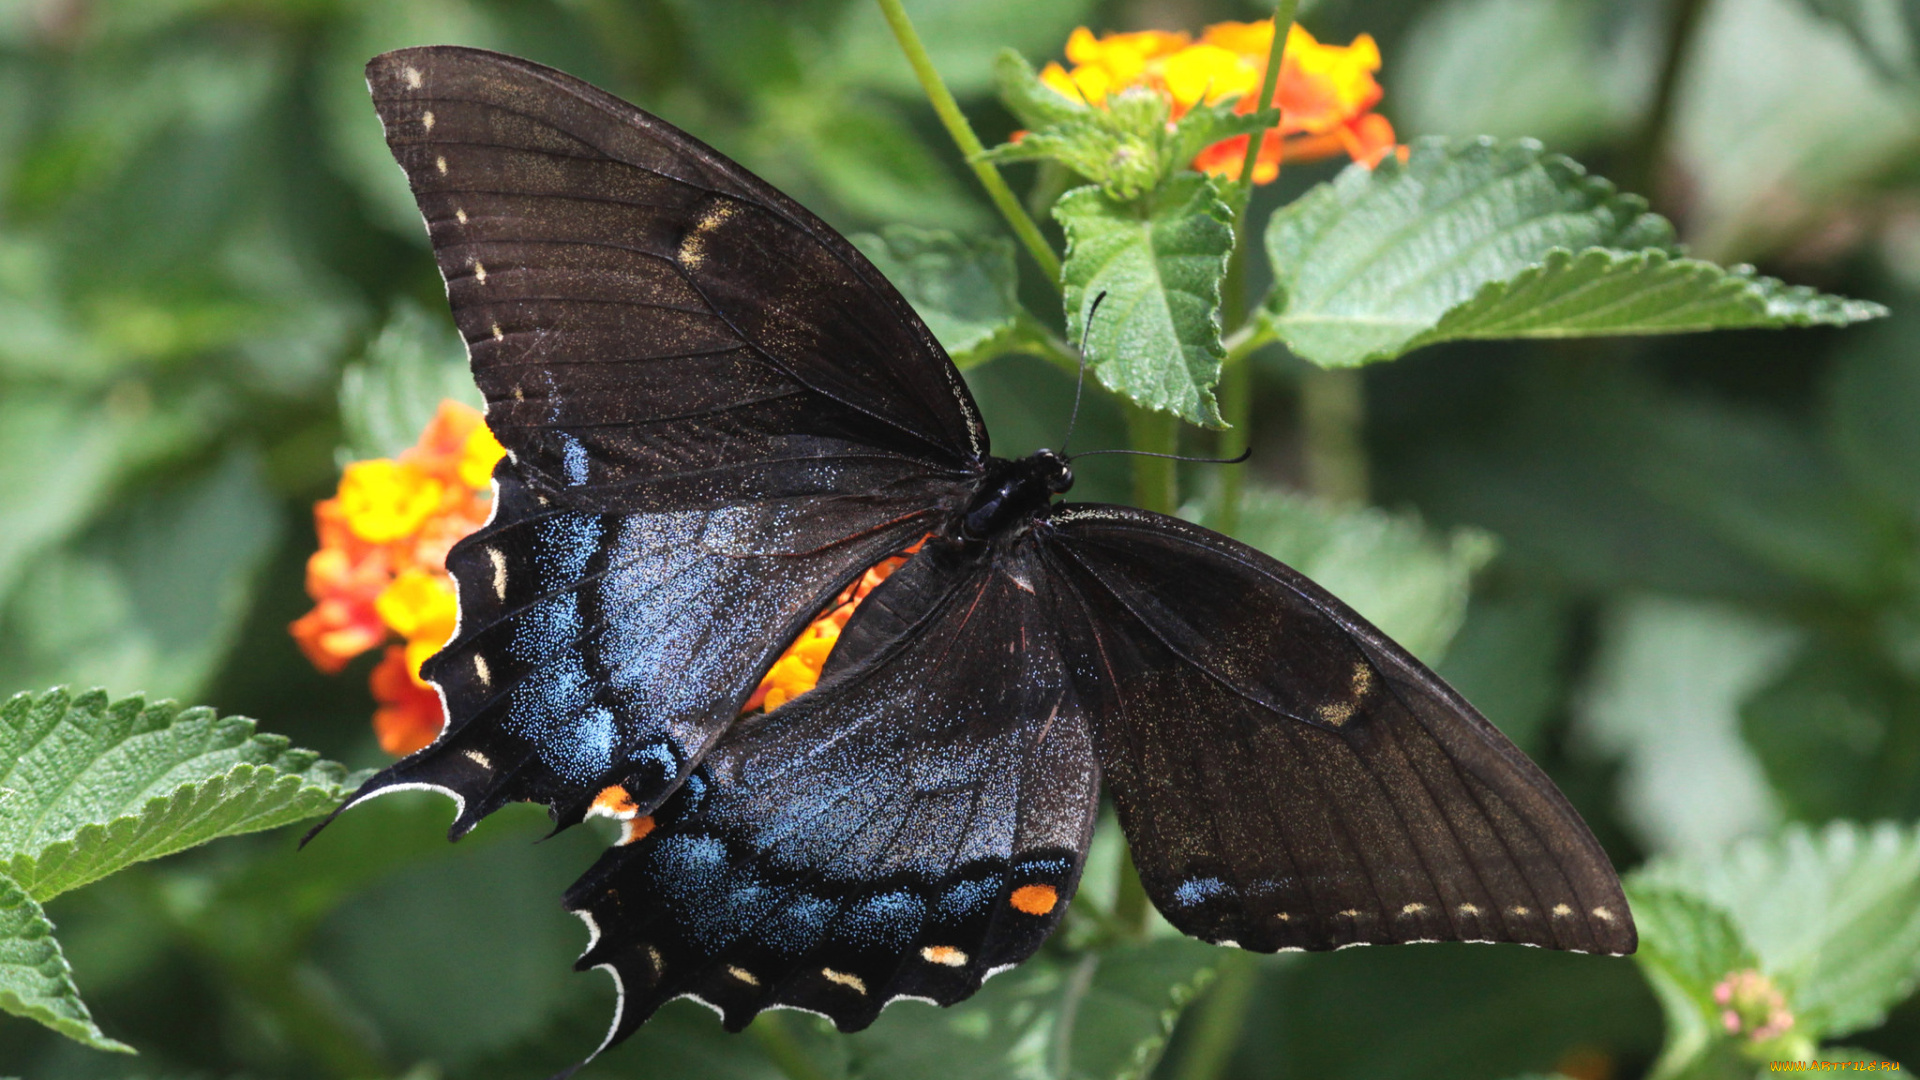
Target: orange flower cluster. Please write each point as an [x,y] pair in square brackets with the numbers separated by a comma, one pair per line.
[798,669]
[381,573]
[1325,93]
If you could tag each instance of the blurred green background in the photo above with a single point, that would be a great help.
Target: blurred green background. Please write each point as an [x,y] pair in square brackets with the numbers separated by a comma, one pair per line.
[1704,617]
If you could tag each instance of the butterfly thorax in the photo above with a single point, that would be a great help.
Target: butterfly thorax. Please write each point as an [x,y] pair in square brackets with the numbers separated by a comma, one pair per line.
[1013,492]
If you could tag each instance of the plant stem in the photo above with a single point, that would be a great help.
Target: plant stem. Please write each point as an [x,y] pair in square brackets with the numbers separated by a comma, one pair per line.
[1332,413]
[777,1042]
[969,143]
[1644,154]
[1283,14]
[1156,483]
[1218,1018]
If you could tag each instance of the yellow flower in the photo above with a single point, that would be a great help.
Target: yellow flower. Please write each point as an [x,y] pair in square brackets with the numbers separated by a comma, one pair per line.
[422,608]
[1325,93]
[478,456]
[384,500]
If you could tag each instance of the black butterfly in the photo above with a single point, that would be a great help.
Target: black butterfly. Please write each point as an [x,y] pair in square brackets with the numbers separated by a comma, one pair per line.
[718,415]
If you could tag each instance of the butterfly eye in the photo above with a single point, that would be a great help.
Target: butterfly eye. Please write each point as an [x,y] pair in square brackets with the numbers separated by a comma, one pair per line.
[1059,482]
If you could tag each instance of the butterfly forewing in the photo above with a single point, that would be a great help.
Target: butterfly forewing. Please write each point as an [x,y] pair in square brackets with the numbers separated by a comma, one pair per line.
[717,413]
[1290,778]
[648,320]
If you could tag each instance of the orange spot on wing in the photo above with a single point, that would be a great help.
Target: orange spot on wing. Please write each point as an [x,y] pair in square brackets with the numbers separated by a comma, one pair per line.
[637,829]
[614,802]
[1034,899]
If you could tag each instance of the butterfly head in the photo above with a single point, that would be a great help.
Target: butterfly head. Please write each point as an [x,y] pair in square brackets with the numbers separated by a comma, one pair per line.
[1052,470]
[1012,492]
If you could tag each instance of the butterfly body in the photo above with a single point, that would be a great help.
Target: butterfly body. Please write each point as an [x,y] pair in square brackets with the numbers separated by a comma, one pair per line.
[718,417]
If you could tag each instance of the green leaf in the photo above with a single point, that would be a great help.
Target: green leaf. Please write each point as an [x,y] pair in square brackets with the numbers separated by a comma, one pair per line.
[1095,1016]
[1032,102]
[1833,914]
[1484,239]
[1838,733]
[388,397]
[1663,695]
[90,787]
[153,595]
[962,288]
[1687,945]
[1600,291]
[35,981]
[1887,32]
[1157,337]
[1118,147]
[1402,576]
[1129,144]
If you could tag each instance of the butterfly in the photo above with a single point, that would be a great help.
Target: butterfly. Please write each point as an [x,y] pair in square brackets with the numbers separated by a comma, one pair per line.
[718,416]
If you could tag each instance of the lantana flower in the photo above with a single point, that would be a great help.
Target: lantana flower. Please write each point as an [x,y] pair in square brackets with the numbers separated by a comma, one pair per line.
[1751,1005]
[1325,93]
[380,578]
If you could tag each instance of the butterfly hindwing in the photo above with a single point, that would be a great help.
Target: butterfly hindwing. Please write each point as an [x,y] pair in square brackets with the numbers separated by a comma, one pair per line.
[598,649]
[901,831]
[1290,778]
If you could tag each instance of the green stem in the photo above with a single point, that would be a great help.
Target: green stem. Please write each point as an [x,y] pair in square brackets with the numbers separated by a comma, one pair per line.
[1283,15]
[1156,483]
[1216,1022]
[1642,169]
[1236,408]
[777,1042]
[969,143]
[1333,411]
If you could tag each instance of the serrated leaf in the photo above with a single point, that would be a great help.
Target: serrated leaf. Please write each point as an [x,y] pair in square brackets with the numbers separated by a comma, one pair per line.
[388,397]
[1834,915]
[1157,336]
[962,288]
[1600,291]
[1097,1016]
[1410,581]
[1687,945]
[88,787]
[35,980]
[1496,239]
[1031,101]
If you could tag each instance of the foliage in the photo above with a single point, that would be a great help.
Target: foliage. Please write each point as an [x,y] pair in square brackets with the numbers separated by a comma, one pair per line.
[1679,571]
[91,787]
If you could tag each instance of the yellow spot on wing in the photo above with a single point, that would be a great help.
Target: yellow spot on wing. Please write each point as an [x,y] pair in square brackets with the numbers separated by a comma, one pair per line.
[945,955]
[1034,899]
[1603,914]
[1351,913]
[1469,909]
[1362,679]
[499,560]
[1562,910]
[481,671]
[440,163]
[1413,909]
[743,975]
[1520,909]
[460,215]
[426,120]
[855,982]
[1336,714]
[413,78]
[479,272]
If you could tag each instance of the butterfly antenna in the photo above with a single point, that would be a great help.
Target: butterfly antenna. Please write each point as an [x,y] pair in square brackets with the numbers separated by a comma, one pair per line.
[1244,455]
[1081,384]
